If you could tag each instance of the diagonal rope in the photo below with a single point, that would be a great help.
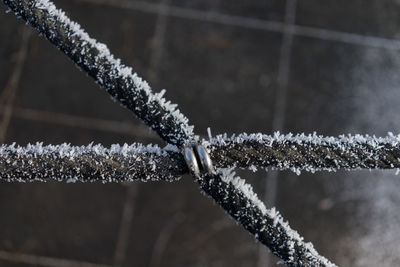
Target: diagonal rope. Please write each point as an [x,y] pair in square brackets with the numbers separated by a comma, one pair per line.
[237,197]
[163,117]
[96,60]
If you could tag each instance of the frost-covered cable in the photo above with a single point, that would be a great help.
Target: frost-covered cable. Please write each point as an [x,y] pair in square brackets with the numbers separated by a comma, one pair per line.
[64,162]
[126,87]
[267,225]
[306,152]
[96,59]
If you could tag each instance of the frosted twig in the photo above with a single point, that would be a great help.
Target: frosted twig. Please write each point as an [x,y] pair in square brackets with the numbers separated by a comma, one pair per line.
[90,163]
[96,59]
[305,152]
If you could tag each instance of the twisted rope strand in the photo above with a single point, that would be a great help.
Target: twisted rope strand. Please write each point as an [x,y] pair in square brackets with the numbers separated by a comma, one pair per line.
[267,225]
[90,163]
[305,152]
[137,162]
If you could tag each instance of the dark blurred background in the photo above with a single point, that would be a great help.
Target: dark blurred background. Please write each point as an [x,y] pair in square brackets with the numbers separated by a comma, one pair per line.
[232,65]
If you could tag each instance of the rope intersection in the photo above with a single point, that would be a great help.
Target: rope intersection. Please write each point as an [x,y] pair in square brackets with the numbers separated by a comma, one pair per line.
[209,161]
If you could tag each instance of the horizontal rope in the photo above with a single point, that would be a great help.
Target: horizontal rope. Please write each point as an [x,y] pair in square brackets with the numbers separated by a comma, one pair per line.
[96,59]
[90,163]
[284,152]
[305,152]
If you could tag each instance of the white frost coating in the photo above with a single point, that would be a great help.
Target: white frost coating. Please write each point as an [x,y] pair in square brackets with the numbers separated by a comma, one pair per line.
[38,162]
[341,143]
[229,176]
[172,148]
[67,150]
[253,168]
[314,138]
[209,133]
[117,66]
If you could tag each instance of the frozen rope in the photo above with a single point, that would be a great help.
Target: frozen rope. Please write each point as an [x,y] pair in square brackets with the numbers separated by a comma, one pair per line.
[38,162]
[132,92]
[305,152]
[238,199]
[137,162]
[96,59]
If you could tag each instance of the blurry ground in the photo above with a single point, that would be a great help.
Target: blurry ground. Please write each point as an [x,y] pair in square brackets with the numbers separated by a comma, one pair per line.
[331,67]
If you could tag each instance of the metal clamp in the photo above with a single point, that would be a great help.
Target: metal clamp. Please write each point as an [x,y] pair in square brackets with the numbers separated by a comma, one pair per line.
[195,153]
[191,160]
[205,160]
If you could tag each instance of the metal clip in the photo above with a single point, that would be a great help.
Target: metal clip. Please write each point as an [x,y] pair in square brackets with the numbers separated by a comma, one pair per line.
[191,160]
[205,160]
[194,153]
